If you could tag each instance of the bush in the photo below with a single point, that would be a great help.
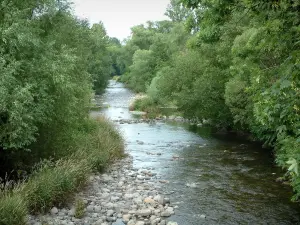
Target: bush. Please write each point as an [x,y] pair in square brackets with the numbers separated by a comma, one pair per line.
[103,144]
[52,183]
[148,105]
[97,144]
[287,156]
[13,209]
[116,78]
[79,208]
[141,71]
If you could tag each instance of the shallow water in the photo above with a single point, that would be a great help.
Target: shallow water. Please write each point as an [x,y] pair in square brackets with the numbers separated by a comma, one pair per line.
[228,180]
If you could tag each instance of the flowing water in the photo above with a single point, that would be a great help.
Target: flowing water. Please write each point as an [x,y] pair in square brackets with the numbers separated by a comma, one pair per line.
[221,178]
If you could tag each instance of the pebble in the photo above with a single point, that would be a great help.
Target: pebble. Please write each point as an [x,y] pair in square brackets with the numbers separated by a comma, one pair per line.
[54,211]
[110,212]
[149,200]
[163,222]
[144,212]
[126,218]
[123,195]
[118,222]
[166,214]
[90,208]
[140,223]
[131,222]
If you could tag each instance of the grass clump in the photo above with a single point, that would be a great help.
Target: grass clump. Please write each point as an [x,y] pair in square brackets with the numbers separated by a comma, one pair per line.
[13,209]
[79,209]
[51,185]
[97,144]
[146,104]
[116,78]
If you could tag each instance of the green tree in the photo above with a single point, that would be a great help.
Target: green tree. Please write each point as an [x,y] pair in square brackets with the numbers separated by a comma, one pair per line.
[48,61]
[177,12]
[100,59]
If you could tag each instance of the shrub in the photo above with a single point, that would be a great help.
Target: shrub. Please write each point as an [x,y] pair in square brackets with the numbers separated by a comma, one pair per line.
[103,144]
[116,78]
[148,105]
[13,209]
[52,183]
[79,208]
[97,144]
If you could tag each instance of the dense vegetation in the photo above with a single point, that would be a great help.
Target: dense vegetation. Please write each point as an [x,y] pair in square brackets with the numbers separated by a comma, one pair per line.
[53,182]
[234,64]
[51,63]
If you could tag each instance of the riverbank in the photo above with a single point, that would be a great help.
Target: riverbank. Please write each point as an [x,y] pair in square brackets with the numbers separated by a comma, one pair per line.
[53,183]
[122,195]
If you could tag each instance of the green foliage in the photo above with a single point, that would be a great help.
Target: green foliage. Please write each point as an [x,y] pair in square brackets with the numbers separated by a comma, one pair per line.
[148,105]
[157,52]
[238,100]
[51,183]
[177,12]
[115,50]
[141,71]
[263,90]
[198,88]
[79,209]
[13,209]
[287,153]
[97,144]
[153,91]
[101,144]
[142,104]
[49,63]
[100,60]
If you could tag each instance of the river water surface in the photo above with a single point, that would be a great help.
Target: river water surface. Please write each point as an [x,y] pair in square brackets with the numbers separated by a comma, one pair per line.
[227,180]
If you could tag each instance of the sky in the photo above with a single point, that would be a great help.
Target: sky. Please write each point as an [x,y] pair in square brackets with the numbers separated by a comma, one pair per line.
[119,16]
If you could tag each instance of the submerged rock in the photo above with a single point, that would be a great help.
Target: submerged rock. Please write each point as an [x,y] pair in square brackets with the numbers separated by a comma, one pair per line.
[191,185]
[172,223]
[202,216]
[118,222]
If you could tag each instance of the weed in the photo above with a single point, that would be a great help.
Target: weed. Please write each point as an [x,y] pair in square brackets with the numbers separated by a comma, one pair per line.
[79,209]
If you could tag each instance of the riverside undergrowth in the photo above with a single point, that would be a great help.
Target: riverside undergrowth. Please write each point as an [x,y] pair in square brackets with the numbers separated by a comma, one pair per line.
[51,183]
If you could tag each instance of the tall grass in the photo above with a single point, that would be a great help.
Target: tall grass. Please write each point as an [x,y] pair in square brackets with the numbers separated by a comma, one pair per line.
[146,104]
[97,144]
[52,185]
[13,209]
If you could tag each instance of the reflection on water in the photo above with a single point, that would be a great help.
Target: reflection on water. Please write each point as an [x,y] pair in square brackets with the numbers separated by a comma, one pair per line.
[228,181]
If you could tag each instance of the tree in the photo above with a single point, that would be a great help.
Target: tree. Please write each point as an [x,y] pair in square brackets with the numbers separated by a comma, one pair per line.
[100,59]
[177,12]
[47,60]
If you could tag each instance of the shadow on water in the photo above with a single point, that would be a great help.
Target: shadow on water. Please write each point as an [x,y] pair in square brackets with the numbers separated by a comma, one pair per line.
[220,177]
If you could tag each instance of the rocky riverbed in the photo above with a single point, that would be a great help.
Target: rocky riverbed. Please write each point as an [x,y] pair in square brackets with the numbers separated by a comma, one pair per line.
[122,195]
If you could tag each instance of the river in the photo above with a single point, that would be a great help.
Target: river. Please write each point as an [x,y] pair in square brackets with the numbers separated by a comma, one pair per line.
[214,179]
